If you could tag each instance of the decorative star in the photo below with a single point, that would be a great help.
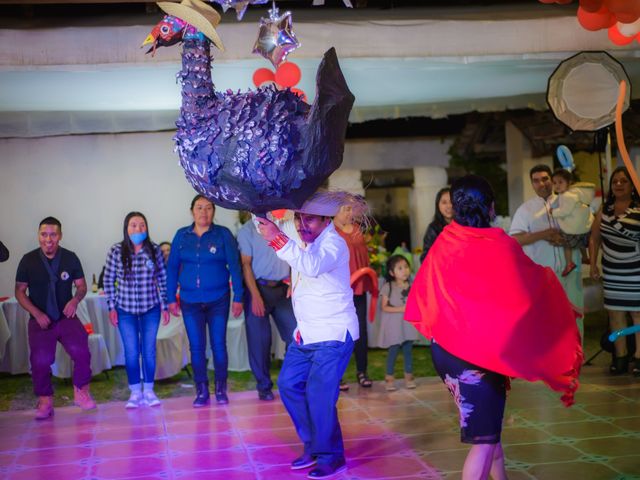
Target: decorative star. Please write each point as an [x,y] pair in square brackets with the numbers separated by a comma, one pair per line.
[240,6]
[276,38]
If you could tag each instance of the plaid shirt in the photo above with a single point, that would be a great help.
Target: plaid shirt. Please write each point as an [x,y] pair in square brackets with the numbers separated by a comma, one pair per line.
[143,288]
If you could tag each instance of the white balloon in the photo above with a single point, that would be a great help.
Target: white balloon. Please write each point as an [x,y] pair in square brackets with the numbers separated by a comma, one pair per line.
[629,29]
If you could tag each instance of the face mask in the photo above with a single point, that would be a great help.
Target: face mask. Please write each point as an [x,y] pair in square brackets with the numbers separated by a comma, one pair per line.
[138,237]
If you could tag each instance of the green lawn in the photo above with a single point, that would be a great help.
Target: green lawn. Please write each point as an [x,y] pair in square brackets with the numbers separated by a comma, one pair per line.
[16,390]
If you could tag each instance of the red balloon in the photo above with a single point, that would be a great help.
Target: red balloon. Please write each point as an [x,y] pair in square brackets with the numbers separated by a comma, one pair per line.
[616,37]
[288,74]
[591,5]
[625,11]
[262,75]
[300,93]
[595,21]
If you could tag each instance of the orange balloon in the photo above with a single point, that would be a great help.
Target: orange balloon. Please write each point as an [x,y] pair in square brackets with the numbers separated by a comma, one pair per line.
[620,136]
[288,74]
[616,37]
[262,75]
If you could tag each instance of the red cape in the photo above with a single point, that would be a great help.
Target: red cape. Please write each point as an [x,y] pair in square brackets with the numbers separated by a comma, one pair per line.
[483,300]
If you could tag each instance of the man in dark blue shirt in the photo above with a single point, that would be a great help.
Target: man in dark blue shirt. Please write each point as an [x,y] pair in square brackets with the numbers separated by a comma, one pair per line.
[49,273]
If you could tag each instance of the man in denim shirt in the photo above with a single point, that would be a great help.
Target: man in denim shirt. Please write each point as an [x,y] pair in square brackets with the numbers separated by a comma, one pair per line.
[266,295]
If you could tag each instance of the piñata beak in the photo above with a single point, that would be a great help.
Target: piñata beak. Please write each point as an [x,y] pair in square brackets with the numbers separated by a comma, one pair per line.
[150,39]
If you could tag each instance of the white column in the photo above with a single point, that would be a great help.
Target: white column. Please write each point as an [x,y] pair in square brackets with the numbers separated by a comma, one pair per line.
[347,179]
[426,183]
[519,162]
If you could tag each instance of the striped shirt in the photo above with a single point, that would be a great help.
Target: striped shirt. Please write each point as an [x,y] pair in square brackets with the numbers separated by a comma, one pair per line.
[621,258]
[144,287]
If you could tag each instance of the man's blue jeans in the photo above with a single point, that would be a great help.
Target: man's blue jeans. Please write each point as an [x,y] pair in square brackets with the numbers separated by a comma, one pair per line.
[197,317]
[309,387]
[139,332]
[277,305]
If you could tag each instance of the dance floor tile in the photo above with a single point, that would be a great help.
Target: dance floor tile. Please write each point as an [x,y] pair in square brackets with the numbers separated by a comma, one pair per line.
[204,443]
[378,447]
[129,467]
[628,466]
[430,424]
[278,455]
[132,432]
[626,409]
[578,470]
[223,459]
[53,456]
[280,436]
[580,430]
[201,427]
[517,435]
[431,442]
[66,439]
[267,422]
[552,415]
[541,453]
[49,472]
[138,448]
[609,446]
[404,434]
[388,467]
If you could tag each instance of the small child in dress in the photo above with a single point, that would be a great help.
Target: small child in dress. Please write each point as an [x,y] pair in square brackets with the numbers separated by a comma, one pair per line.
[573,214]
[395,333]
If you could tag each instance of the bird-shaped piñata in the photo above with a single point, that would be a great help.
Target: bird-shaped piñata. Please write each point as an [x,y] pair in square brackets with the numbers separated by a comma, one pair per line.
[259,150]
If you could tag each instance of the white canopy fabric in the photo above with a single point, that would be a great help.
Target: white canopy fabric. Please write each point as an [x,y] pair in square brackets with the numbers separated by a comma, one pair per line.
[95,79]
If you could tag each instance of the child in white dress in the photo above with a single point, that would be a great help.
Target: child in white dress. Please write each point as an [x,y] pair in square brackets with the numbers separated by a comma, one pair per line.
[573,214]
[395,333]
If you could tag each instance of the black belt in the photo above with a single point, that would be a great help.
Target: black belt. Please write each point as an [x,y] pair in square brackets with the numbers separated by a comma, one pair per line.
[270,283]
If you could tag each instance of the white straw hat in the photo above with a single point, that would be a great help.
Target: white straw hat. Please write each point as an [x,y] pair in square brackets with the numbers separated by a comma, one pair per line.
[197,13]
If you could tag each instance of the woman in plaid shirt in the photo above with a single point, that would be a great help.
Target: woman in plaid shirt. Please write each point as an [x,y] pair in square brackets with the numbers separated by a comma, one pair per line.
[135,283]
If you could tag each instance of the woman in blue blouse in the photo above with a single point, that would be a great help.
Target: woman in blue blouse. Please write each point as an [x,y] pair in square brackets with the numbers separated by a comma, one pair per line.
[135,284]
[201,259]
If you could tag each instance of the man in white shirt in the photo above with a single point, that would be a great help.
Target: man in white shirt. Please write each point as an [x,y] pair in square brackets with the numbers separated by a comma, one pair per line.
[538,232]
[326,330]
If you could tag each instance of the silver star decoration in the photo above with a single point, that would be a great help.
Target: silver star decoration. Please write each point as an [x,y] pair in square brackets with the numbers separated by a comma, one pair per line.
[240,6]
[276,38]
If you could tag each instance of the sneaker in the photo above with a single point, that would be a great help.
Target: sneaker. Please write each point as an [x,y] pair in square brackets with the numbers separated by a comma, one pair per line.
[266,395]
[390,383]
[82,398]
[409,381]
[151,399]
[44,409]
[135,400]
[303,461]
[327,470]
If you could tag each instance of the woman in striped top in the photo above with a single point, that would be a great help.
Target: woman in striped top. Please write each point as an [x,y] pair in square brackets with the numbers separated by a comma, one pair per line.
[617,229]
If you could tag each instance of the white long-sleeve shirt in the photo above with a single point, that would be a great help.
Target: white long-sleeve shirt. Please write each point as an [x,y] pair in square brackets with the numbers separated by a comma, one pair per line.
[321,288]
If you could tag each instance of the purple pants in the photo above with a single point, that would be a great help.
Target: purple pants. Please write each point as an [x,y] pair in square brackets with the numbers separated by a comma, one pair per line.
[74,338]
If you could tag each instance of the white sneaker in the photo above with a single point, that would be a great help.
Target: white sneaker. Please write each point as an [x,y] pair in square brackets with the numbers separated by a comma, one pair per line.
[135,400]
[151,399]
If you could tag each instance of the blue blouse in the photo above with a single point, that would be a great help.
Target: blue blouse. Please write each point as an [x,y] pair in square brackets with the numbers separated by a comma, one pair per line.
[201,265]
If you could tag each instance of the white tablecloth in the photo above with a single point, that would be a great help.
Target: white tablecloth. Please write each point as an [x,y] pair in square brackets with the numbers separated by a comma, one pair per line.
[172,347]
[63,366]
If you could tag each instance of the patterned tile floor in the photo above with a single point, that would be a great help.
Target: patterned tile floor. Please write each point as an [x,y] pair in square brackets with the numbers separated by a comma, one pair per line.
[405,434]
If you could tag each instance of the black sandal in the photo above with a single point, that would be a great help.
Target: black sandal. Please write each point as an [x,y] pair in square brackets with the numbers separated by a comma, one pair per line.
[344,386]
[363,380]
[636,367]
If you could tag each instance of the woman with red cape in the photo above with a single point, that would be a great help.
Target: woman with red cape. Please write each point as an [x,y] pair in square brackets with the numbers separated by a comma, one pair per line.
[491,314]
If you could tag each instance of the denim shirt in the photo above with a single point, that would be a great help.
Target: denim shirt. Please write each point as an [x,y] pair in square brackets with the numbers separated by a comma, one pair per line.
[201,265]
